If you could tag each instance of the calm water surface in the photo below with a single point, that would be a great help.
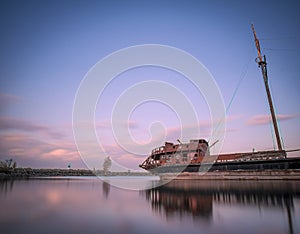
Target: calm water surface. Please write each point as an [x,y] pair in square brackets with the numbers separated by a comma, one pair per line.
[89,205]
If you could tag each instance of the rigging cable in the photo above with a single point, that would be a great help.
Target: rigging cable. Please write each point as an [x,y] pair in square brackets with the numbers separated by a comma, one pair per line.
[281,49]
[278,121]
[272,133]
[280,38]
[242,77]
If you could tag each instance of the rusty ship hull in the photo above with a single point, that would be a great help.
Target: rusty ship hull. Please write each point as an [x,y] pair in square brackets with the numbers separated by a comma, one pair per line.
[193,157]
[285,164]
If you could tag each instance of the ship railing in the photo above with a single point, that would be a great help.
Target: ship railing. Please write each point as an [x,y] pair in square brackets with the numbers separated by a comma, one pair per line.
[158,150]
[250,156]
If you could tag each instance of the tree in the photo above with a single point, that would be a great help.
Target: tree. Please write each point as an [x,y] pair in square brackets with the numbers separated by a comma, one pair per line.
[8,165]
[106,165]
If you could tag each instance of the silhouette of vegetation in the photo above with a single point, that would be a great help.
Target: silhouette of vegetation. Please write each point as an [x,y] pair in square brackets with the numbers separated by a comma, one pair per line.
[106,165]
[7,166]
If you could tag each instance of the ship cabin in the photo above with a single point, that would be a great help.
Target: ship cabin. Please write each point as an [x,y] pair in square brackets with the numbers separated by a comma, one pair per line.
[183,153]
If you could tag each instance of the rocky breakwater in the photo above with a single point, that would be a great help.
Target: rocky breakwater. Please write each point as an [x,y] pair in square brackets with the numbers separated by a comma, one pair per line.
[20,173]
[29,172]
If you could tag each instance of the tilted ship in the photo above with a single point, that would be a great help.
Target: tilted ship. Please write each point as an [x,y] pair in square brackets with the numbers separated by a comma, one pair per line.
[195,155]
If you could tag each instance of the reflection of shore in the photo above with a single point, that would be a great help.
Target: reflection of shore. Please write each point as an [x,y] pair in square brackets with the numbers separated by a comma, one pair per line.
[6,186]
[196,198]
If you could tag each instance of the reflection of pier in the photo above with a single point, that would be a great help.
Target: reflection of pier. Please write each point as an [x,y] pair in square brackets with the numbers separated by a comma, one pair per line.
[196,198]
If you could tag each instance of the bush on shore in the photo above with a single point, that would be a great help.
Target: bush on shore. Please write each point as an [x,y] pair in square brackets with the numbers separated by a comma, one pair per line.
[7,166]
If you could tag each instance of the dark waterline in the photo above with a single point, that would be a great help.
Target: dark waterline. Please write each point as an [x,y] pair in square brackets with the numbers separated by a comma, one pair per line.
[89,205]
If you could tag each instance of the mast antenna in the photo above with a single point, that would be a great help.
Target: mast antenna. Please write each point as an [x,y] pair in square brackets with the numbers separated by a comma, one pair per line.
[262,63]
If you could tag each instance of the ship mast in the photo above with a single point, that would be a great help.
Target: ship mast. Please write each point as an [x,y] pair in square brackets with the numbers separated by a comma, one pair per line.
[262,63]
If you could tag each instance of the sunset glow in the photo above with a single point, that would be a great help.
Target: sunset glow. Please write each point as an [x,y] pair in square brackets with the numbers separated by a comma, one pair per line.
[48,47]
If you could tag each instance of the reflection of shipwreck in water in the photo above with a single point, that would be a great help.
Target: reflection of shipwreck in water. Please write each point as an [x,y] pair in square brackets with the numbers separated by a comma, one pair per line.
[172,202]
[187,198]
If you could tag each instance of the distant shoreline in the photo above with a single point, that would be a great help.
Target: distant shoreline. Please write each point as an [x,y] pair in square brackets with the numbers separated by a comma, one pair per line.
[29,173]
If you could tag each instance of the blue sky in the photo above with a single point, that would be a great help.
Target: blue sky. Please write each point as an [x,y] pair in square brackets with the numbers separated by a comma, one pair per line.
[47,47]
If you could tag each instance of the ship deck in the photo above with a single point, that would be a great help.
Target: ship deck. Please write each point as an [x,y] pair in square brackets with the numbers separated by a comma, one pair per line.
[260,166]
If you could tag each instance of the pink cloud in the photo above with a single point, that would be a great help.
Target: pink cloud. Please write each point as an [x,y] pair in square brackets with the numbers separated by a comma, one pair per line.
[26,143]
[16,124]
[28,151]
[107,124]
[266,119]
[130,161]
[65,154]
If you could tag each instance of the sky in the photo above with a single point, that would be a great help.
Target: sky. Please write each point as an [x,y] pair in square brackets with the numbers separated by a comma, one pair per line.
[48,47]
